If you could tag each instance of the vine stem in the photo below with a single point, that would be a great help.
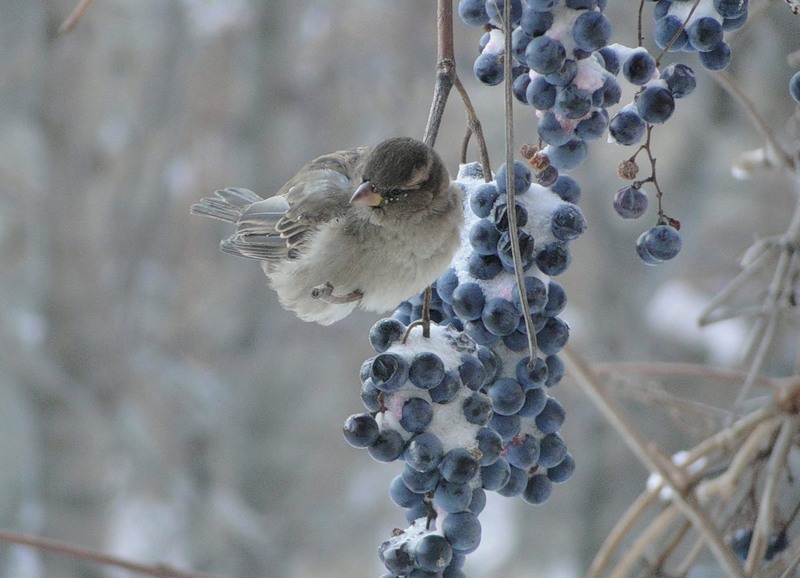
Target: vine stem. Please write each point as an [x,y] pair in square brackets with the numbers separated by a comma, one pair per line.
[655,461]
[157,571]
[510,192]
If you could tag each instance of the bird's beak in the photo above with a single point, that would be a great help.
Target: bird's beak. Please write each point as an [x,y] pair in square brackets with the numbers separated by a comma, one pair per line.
[366,195]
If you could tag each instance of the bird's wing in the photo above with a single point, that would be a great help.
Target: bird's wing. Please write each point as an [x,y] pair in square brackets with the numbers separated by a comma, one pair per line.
[280,227]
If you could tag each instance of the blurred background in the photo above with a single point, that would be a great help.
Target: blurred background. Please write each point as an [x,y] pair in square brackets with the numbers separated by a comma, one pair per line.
[156,401]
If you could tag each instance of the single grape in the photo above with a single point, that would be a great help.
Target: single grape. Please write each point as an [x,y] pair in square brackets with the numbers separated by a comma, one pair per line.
[468,301]
[490,444]
[717,58]
[462,530]
[551,131]
[555,370]
[500,316]
[483,198]
[680,80]
[540,94]
[389,372]
[535,293]
[473,12]
[459,466]
[522,178]
[794,87]
[483,237]
[567,188]
[567,156]
[553,336]
[537,489]
[567,223]
[610,60]
[452,497]
[388,446]
[592,127]
[705,33]
[526,245]
[488,68]
[401,495]
[545,54]
[447,389]
[556,299]
[433,553]
[573,102]
[501,215]
[546,177]
[416,415]
[506,425]
[420,482]
[446,284]
[627,127]
[477,408]
[552,450]
[484,267]
[507,396]
[396,557]
[554,258]
[666,28]
[551,417]
[523,451]
[535,22]
[639,67]
[531,378]
[495,475]
[520,88]
[472,372]
[662,242]
[517,481]
[730,8]
[535,400]
[424,452]
[591,31]
[562,471]
[630,202]
[564,75]
[361,430]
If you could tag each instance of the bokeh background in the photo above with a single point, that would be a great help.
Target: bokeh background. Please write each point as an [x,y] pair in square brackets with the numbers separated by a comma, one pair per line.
[155,400]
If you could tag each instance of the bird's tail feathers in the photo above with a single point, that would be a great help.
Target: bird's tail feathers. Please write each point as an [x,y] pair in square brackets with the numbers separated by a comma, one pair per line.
[226,204]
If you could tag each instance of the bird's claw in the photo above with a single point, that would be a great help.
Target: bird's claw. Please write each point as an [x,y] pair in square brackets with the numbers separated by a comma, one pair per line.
[324,293]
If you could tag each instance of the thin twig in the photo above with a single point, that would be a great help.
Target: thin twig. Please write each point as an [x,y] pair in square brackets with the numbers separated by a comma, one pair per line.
[670,369]
[730,84]
[652,457]
[513,233]
[157,571]
[72,19]
[636,550]
[475,125]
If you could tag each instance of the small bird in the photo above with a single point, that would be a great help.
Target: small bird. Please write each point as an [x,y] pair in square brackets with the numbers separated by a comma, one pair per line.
[360,227]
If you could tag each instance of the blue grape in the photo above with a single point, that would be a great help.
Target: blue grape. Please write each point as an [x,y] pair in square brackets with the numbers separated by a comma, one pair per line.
[416,415]
[492,363]
[501,215]
[705,34]
[417,511]
[520,88]
[478,502]
[573,102]
[424,452]
[540,94]
[473,12]
[495,10]
[555,370]
[490,444]
[554,258]
[396,557]
[535,294]
[661,9]
[535,400]
[488,68]
[427,370]
[545,55]
[504,251]
[483,198]
[389,372]
[385,332]
[537,490]
[794,87]
[462,530]
[662,242]
[483,41]
[535,22]
[531,378]
[567,156]
[630,202]
[446,390]
[567,223]
[592,127]
[420,482]
[495,475]
[730,8]
[591,31]
[553,336]
[547,177]
[731,24]
[506,425]
[523,451]
[717,58]
[472,372]
[446,284]
[607,95]
[507,396]
[477,409]
[433,553]
[484,267]
[556,299]
[552,450]
[517,481]
[401,495]
[610,60]
[680,80]
[564,75]
[551,417]
[477,331]
[371,396]
[388,446]
[567,188]
[740,543]
[452,497]
[459,466]
[563,471]
[627,127]
[483,237]
[666,28]
[775,545]
[551,131]
[519,42]
[639,67]
[522,178]
[361,430]
[500,316]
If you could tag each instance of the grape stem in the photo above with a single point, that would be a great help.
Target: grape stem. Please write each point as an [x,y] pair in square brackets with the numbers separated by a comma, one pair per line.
[158,570]
[510,192]
[662,218]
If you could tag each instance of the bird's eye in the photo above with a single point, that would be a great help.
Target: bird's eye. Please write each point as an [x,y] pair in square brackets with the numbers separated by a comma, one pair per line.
[395,193]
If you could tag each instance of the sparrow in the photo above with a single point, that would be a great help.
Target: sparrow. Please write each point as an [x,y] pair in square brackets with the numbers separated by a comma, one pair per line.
[361,228]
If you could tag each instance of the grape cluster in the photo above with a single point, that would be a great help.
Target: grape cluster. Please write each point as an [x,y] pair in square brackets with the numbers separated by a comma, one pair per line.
[566,69]
[464,409]
[680,26]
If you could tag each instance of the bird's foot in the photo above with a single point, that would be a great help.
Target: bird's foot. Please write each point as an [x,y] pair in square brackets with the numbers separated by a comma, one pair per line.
[324,293]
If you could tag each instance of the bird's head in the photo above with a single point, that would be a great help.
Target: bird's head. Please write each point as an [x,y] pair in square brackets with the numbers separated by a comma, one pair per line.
[401,176]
